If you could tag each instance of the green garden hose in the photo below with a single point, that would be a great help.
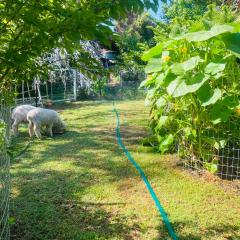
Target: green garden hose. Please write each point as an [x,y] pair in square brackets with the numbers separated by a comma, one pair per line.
[160,208]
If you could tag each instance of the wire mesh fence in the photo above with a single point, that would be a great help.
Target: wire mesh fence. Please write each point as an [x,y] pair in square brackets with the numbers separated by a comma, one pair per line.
[45,91]
[4,170]
[215,150]
[125,90]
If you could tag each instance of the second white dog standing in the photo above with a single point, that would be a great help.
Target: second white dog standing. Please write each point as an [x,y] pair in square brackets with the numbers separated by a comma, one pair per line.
[19,115]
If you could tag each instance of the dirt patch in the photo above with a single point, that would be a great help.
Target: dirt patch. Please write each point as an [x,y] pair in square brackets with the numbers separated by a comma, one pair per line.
[231,186]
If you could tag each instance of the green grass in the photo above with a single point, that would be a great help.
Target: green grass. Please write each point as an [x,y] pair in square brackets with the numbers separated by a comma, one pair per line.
[81,186]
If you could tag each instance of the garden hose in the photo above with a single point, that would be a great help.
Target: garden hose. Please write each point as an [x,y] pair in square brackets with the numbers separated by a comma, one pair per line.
[160,208]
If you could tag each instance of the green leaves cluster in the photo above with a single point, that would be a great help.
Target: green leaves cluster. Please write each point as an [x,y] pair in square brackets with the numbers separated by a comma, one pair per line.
[2,134]
[30,28]
[134,36]
[194,92]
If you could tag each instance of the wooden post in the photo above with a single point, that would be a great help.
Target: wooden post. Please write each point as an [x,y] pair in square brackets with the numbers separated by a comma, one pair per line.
[39,94]
[23,92]
[29,94]
[16,102]
[74,85]
[51,91]
[36,93]
[64,84]
[47,89]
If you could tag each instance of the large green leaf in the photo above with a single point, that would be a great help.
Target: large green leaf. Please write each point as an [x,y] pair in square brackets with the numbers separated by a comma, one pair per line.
[220,29]
[182,68]
[232,42]
[198,36]
[150,94]
[159,79]
[214,68]
[211,167]
[236,26]
[155,51]
[162,121]
[204,93]
[231,102]
[220,113]
[205,35]
[154,65]
[223,109]
[217,94]
[169,77]
[161,102]
[207,96]
[147,82]
[166,143]
[173,87]
[181,86]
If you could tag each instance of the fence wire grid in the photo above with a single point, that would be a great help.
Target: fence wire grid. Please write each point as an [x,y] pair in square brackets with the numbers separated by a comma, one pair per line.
[4,170]
[54,91]
[218,153]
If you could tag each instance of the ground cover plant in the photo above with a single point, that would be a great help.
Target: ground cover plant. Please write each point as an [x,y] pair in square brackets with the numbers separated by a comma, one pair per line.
[80,185]
[193,87]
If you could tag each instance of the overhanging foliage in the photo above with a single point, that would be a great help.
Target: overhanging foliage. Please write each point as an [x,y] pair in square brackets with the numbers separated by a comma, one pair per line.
[30,28]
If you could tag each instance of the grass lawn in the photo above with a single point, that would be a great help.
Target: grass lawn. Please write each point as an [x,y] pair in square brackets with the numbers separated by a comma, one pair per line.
[81,186]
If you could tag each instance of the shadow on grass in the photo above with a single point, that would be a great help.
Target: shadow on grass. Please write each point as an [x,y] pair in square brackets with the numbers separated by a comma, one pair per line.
[83,147]
[47,208]
[91,149]
[48,202]
[51,202]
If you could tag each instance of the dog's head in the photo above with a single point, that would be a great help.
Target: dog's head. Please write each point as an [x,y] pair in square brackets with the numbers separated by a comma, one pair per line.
[59,127]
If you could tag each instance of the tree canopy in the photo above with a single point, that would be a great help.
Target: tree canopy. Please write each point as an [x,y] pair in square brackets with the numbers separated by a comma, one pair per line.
[30,28]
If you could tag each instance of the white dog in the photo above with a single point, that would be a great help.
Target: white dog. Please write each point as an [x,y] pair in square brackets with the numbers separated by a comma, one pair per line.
[39,118]
[19,115]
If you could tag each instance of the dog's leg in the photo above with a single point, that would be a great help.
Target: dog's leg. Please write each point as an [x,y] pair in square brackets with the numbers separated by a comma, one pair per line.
[30,129]
[37,131]
[15,127]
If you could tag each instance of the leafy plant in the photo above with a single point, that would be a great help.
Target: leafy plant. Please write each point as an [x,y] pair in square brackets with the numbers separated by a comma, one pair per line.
[193,90]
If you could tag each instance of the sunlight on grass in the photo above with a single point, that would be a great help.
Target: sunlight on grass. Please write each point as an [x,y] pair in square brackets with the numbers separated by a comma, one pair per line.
[79,185]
